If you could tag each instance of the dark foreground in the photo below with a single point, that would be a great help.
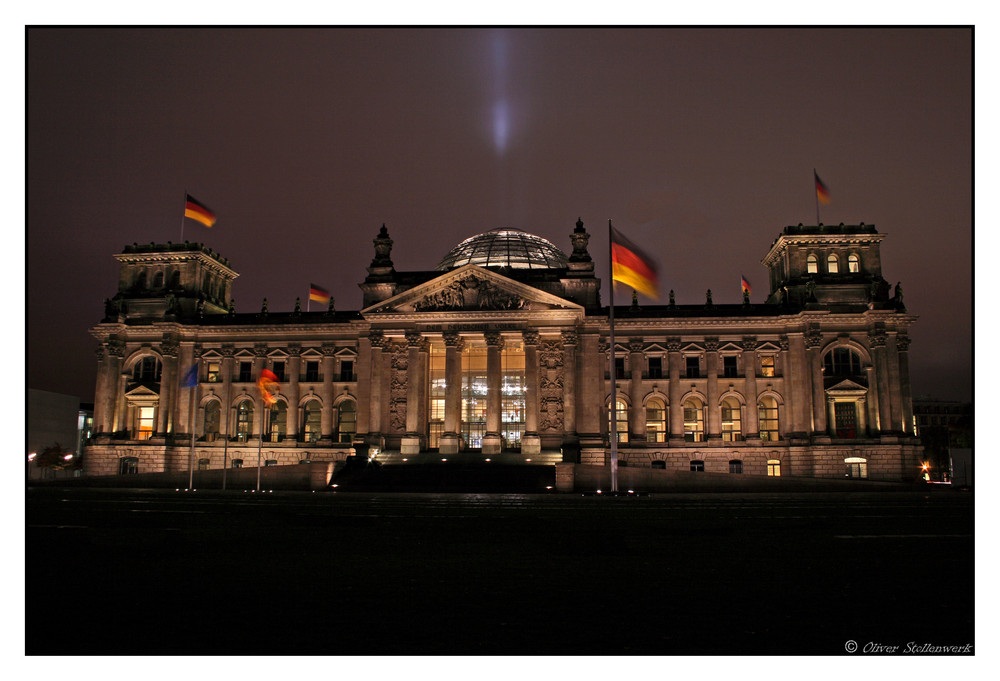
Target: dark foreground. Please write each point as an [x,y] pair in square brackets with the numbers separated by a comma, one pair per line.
[136,572]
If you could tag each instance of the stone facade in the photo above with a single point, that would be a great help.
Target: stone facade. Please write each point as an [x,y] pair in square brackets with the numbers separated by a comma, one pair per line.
[514,355]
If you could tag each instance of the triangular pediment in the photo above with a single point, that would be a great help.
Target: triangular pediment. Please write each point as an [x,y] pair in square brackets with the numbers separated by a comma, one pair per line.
[846,385]
[467,289]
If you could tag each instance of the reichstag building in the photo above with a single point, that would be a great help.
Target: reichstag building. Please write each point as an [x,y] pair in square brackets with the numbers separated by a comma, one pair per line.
[501,351]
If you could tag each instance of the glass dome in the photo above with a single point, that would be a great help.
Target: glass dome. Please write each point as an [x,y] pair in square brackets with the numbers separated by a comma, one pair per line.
[505,247]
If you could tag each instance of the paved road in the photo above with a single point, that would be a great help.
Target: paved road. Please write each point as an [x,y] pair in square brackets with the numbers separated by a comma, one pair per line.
[165,573]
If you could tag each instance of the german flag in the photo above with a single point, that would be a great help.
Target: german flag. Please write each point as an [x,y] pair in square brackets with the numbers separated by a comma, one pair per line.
[632,267]
[267,383]
[744,285]
[196,210]
[319,295]
[822,193]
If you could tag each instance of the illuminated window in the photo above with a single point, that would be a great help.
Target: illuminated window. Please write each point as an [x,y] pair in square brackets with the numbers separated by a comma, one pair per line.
[856,467]
[812,264]
[832,264]
[656,420]
[474,394]
[621,420]
[767,365]
[698,466]
[732,426]
[210,429]
[735,466]
[214,372]
[237,463]
[694,420]
[774,468]
[128,465]
[311,416]
[347,421]
[203,464]
[767,418]
[278,422]
[244,420]
[853,263]
[512,394]
[436,384]
[145,419]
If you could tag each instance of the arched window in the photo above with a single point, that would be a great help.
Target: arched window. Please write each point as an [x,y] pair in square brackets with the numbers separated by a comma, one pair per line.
[856,467]
[832,264]
[621,417]
[732,426]
[210,430]
[694,420]
[147,370]
[812,264]
[347,421]
[311,421]
[279,421]
[175,279]
[774,468]
[158,280]
[853,263]
[767,418]
[656,420]
[842,362]
[244,422]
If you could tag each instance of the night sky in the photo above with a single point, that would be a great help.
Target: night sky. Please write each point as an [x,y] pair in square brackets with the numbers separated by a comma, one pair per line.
[699,144]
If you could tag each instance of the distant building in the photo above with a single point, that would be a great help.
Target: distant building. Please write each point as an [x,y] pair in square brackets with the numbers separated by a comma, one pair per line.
[942,426]
[53,418]
[503,347]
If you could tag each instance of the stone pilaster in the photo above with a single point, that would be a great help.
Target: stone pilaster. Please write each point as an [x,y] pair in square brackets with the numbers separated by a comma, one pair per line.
[902,347]
[326,392]
[636,415]
[225,414]
[674,389]
[813,341]
[570,342]
[411,442]
[876,341]
[378,397]
[169,385]
[749,357]
[798,385]
[292,391]
[714,413]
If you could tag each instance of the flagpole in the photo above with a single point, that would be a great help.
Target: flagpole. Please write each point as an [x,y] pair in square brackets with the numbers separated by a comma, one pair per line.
[182,215]
[260,445]
[614,388]
[194,417]
[225,443]
[816,192]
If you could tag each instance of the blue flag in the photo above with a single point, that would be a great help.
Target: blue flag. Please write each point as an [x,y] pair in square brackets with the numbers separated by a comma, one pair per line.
[191,377]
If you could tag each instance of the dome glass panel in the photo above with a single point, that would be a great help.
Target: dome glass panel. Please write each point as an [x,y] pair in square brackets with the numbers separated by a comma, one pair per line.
[505,247]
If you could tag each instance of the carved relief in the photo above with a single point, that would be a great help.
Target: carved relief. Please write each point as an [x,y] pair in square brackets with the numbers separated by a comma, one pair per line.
[570,337]
[903,342]
[377,338]
[470,292]
[876,338]
[494,340]
[397,386]
[550,385]
[169,346]
[116,348]
[711,344]
[674,344]
[635,345]
[530,337]
[749,343]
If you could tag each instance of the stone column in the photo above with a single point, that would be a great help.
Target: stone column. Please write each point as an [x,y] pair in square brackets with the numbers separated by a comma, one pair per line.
[674,389]
[259,408]
[225,414]
[378,396]
[492,442]
[876,341]
[185,420]
[326,392]
[169,383]
[637,415]
[453,345]
[101,391]
[895,387]
[813,341]
[292,391]
[570,341]
[902,347]
[871,404]
[411,442]
[531,442]
[365,390]
[750,427]
[121,421]
[714,413]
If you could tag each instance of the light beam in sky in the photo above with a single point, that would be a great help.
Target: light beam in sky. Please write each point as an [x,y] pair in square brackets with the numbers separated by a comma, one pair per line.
[501,109]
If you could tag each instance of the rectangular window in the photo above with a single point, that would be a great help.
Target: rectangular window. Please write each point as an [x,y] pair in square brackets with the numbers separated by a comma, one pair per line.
[279,370]
[698,466]
[435,416]
[619,367]
[203,464]
[735,466]
[214,372]
[774,468]
[767,365]
[246,372]
[347,370]
[144,423]
[655,367]
[693,365]
[729,366]
[312,372]
[846,419]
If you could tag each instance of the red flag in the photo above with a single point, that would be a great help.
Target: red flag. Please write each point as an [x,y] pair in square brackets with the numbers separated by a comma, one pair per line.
[744,284]
[319,295]
[822,193]
[267,383]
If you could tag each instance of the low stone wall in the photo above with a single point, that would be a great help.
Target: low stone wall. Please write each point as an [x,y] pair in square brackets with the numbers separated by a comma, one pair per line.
[572,477]
[308,476]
